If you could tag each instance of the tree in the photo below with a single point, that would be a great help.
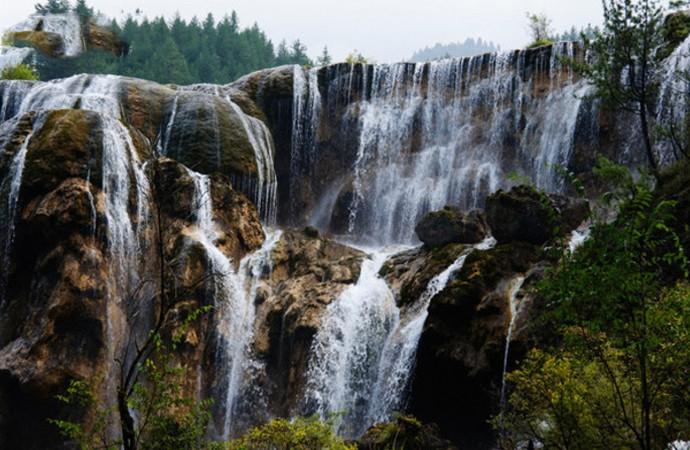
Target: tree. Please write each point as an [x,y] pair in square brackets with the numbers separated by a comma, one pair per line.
[83,10]
[539,26]
[298,54]
[619,376]
[356,57]
[325,58]
[627,61]
[53,7]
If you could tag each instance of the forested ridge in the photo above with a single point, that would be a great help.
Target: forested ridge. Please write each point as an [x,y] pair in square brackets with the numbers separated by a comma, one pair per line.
[181,51]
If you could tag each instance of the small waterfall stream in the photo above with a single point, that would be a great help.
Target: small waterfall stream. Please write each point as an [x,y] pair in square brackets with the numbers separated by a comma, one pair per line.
[233,292]
[10,186]
[363,354]
[513,289]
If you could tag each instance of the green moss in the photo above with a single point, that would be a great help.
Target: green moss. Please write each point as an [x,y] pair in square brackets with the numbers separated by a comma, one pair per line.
[540,43]
[676,30]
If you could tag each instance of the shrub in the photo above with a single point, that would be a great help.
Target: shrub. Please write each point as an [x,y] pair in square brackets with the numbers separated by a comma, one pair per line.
[19,72]
[299,434]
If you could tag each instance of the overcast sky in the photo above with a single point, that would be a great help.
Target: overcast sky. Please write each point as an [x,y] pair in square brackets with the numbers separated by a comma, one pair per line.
[385,30]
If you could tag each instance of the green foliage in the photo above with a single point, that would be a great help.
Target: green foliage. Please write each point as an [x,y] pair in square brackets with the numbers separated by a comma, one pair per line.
[539,26]
[540,43]
[53,7]
[83,10]
[586,395]
[19,72]
[298,434]
[614,371]
[325,58]
[356,57]
[166,418]
[182,52]
[627,61]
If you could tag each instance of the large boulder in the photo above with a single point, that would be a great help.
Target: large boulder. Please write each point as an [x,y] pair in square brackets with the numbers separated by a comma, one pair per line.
[404,433]
[452,226]
[521,214]
[524,214]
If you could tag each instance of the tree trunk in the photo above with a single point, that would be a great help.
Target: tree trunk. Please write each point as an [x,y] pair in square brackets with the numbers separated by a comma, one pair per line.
[126,421]
[644,124]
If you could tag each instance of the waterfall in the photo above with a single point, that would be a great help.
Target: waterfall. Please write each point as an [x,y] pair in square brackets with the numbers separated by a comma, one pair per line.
[347,349]
[98,93]
[266,190]
[306,106]
[400,350]
[67,25]
[673,105]
[12,56]
[11,185]
[438,133]
[513,289]
[233,292]
[363,354]
[163,143]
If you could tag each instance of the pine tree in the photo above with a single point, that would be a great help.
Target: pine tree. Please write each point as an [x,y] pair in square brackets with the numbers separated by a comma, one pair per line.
[325,58]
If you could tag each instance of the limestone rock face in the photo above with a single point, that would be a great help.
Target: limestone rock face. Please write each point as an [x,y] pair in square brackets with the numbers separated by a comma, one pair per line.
[309,273]
[50,44]
[67,310]
[451,225]
[101,38]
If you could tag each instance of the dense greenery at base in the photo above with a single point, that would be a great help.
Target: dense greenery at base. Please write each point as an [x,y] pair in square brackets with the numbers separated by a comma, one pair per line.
[179,51]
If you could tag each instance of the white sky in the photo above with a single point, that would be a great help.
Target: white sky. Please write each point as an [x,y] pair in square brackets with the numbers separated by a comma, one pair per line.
[385,30]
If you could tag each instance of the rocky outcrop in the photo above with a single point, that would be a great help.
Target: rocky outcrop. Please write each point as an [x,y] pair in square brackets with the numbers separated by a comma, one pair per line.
[404,433]
[104,39]
[68,313]
[452,226]
[526,215]
[460,357]
[50,44]
[309,272]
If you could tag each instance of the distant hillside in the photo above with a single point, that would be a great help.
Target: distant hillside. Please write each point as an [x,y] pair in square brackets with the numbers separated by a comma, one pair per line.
[470,47]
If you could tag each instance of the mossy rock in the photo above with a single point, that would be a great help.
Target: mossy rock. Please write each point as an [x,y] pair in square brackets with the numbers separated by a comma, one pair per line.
[404,433]
[676,29]
[50,44]
[67,143]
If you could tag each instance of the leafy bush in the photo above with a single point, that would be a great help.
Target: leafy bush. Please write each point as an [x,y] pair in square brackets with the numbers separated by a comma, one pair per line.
[19,72]
[299,434]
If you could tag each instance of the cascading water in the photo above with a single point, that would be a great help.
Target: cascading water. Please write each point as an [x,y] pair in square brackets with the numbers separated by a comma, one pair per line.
[233,292]
[10,186]
[400,350]
[513,289]
[362,356]
[347,349]
[12,56]
[67,25]
[266,190]
[673,106]
[305,113]
[444,132]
